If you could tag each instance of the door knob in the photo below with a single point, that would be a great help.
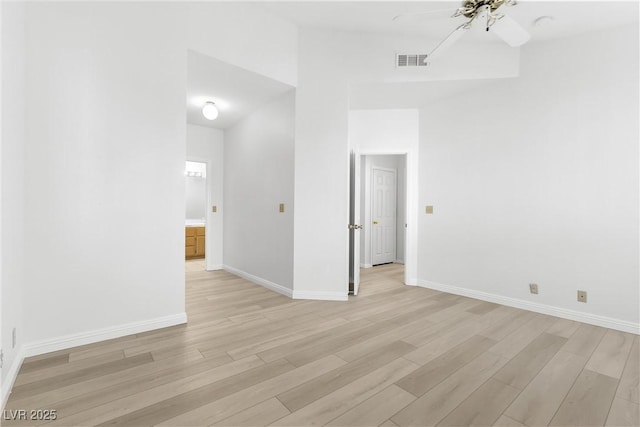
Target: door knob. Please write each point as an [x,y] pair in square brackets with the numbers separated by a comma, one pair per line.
[375,222]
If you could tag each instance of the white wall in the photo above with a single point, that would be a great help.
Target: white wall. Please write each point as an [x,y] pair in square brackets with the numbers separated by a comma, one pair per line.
[258,176]
[207,145]
[244,35]
[380,132]
[105,236]
[370,58]
[2,375]
[196,198]
[540,183]
[321,171]
[11,166]
[396,162]
[329,61]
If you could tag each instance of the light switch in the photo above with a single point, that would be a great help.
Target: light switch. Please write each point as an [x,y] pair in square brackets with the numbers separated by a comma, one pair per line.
[214,209]
[429,209]
[281,207]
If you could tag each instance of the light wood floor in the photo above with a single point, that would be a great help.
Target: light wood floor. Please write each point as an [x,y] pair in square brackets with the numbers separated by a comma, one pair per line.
[394,355]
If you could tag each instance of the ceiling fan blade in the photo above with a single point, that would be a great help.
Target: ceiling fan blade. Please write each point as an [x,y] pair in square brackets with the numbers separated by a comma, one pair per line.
[510,31]
[419,15]
[453,37]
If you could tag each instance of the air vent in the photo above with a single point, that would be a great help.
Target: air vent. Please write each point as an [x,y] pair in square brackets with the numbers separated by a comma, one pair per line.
[417,60]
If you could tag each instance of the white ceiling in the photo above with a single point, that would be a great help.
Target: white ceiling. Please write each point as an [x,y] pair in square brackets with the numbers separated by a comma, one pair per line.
[236,91]
[570,17]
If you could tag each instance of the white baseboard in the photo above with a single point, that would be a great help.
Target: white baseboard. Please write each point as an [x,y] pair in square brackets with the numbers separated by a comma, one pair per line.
[411,281]
[315,295]
[366,265]
[399,261]
[592,319]
[74,340]
[215,267]
[259,281]
[10,378]
[321,295]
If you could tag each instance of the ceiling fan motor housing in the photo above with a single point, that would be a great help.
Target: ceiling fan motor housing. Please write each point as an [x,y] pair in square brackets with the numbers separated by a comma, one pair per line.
[470,8]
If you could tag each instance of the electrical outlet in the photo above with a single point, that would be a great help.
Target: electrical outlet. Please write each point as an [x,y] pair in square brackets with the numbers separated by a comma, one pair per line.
[533,288]
[582,296]
[13,338]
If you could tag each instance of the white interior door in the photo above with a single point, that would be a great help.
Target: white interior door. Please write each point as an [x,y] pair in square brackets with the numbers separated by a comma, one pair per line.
[383,215]
[354,227]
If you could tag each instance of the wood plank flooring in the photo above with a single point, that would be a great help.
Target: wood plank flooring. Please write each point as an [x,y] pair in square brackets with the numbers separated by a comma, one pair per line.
[394,355]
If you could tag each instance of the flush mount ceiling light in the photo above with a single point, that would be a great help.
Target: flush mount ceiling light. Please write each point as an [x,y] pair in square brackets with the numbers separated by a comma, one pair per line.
[210,111]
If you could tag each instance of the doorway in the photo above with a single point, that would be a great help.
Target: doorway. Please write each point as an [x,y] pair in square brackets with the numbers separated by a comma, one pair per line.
[195,215]
[378,219]
[383,213]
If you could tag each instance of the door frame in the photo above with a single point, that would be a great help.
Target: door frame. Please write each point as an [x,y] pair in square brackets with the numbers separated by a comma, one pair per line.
[411,208]
[207,218]
[353,251]
[370,222]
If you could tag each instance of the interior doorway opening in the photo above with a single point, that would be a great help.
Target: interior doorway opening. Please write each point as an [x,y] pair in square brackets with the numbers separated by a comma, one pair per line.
[383,209]
[378,216]
[195,215]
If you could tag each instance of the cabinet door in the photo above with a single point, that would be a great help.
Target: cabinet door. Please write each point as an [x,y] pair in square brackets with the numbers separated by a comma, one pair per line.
[200,245]
[190,251]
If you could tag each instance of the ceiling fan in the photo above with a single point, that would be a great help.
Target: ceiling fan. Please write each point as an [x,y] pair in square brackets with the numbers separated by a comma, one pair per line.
[486,12]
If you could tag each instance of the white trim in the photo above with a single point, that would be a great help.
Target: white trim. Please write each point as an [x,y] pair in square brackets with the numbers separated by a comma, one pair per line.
[321,295]
[592,319]
[399,261]
[12,374]
[411,281]
[74,340]
[370,207]
[207,220]
[411,200]
[362,265]
[259,281]
[213,247]
[311,295]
